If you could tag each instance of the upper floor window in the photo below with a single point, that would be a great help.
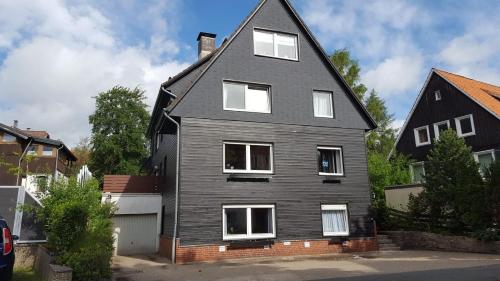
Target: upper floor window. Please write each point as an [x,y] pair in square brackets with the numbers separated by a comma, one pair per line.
[485,159]
[8,138]
[437,95]
[31,150]
[440,127]
[248,158]
[323,104]
[274,44]
[247,97]
[330,161]
[422,136]
[47,151]
[465,126]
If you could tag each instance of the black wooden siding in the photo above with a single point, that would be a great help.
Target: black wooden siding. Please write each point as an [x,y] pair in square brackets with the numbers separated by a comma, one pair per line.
[295,188]
[453,104]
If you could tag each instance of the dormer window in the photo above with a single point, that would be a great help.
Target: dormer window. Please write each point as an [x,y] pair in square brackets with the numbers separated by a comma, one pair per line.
[275,44]
[437,95]
[246,97]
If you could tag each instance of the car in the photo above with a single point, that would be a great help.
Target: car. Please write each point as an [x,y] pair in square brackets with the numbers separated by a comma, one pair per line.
[7,256]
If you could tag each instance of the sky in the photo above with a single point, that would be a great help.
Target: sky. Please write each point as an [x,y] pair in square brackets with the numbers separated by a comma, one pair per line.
[55,55]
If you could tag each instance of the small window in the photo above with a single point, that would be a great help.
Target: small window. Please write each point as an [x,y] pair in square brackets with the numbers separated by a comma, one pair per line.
[437,95]
[8,138]
[273,44]
[417,171]
[246,97]
[330,161]
[323,104]
[485,159]
[31,150]
[422,136]
[248,158]
[440,127]
[465,126]
[335,220]
[47,151]
[248,222]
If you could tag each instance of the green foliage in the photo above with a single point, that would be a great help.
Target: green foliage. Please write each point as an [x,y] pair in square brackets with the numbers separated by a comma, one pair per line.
[350,70]
[381,139]
[454,194]
[119,124]
[79,228]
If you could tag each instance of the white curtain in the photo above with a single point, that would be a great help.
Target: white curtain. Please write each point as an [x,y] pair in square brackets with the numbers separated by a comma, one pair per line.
[257,100]
[322,104]
[334,221]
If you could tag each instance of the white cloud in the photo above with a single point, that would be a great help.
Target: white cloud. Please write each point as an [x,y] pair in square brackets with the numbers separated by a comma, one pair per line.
[50,75]
[395,75]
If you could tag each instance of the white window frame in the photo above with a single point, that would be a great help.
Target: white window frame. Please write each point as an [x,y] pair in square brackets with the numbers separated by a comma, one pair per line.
[476,157]
[459,127]
[248,164]
[32,152]
[412,173]
[44,151]
[437,95]
[249,234]
[417,140]
[275,45]
[331,104]
[341,160]
[342,207]
[436,129]
[224,96]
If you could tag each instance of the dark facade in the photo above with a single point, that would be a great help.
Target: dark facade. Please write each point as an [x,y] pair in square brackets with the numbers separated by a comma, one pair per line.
[453,104]
[294,187]
[43,156]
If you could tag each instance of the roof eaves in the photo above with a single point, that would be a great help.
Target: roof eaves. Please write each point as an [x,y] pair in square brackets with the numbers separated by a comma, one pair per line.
[14,131]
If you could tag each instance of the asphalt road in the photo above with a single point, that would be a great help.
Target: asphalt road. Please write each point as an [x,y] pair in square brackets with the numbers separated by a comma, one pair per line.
[387,266]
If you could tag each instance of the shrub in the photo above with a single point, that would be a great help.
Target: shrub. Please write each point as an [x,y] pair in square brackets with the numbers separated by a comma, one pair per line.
[79,228]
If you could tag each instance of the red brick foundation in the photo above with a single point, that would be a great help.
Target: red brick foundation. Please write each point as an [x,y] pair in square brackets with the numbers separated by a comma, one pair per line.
[185,254]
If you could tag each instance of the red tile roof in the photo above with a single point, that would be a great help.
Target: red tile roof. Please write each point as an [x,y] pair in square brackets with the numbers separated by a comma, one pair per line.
[487,95]
[37,134]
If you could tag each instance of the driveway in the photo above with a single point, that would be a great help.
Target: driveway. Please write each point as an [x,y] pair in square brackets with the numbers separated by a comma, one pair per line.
[399,265]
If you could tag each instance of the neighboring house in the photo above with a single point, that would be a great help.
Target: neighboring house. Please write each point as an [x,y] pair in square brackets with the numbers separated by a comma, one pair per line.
[447,100]
[270,145]
[39,157]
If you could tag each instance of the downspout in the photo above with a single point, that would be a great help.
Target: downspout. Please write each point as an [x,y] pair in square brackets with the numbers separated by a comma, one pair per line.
[21,159]
[177,169]
[57,161]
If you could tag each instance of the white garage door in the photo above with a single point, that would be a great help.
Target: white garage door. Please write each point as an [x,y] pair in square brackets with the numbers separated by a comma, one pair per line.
[135,234]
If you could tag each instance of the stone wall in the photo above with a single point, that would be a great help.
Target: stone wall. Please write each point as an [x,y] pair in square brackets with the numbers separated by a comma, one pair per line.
[432,241]
[48,271]
[25,255]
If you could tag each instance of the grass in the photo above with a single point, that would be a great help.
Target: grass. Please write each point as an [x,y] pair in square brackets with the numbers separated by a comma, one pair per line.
[25,274]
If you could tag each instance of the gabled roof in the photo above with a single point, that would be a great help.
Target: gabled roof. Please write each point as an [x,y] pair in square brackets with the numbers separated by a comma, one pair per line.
[486,95]
[208,61]
[39,137]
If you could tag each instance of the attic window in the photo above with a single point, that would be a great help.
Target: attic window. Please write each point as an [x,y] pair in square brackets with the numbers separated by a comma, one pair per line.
[465,126]
[437,95]
[274,44]
[8,138]
[422,136]
[246,97]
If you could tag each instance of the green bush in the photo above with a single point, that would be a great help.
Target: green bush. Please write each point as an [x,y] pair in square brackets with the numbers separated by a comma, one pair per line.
[79,228]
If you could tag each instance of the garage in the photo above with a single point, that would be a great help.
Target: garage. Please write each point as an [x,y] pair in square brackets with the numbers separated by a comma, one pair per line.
[133,234]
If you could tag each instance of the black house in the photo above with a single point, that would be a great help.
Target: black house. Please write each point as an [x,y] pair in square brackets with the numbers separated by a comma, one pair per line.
[262,144]
[447,100]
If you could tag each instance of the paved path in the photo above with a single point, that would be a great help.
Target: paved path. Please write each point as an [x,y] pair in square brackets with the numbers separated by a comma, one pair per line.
[391,266]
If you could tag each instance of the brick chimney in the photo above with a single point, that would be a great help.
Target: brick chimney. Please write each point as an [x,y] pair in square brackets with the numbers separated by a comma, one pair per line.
[206,44]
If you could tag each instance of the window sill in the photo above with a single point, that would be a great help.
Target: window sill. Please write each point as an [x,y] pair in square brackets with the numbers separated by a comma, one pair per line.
[332,178]
[248,178]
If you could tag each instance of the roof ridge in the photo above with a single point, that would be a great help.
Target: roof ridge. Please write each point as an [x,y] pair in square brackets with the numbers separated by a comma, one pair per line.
[468,78]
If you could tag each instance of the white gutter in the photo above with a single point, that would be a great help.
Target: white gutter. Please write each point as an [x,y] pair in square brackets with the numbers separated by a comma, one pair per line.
[21,159]
[174,236]
[57,161]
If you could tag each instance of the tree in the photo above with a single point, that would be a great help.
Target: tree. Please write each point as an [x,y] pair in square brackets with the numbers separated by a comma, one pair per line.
[381,139]
[350,70]
[119,123]
[82,151]
[453,188]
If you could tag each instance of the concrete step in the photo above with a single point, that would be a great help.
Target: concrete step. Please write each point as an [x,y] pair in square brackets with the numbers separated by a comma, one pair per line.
[385,243]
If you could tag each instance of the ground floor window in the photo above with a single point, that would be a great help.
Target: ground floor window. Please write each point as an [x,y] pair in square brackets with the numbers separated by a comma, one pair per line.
[485,159]
[417,171]
[248,222]
[335,220]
